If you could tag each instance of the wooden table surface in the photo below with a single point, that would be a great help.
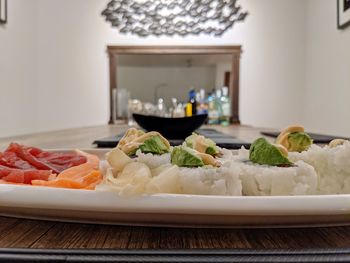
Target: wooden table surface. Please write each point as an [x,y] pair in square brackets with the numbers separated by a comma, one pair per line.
[23,233]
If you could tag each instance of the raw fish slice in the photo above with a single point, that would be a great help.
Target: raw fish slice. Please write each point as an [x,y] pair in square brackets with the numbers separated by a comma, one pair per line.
[84,176]
[88,181]
[93,185]
[23,176]
[23,165]
[92,163]
[4,182]
[25,155]
[11,160]
[60,160]
[41,160]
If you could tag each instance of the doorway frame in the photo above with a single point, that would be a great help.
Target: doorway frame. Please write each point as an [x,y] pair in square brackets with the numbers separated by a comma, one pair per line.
[235,51]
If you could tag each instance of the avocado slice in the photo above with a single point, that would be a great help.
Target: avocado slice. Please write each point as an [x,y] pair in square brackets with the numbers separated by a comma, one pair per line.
[207,146]
[189,140]
[299,141]
[185,157]
[263,152]
[154,145]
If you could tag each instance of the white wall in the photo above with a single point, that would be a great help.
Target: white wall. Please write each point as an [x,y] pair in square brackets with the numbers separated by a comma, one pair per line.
[72,74]
[272,68]
[71,80]
[17,69]
[327,89]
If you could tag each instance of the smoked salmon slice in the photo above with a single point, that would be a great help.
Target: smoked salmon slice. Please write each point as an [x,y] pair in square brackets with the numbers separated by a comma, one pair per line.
[84,176]
[88,182]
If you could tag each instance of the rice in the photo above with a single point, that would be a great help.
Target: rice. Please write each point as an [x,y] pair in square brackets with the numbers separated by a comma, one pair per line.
[300,179]
[210,181]
[139,178]
[332,166]
[225,154]
[151,160]
[152,174]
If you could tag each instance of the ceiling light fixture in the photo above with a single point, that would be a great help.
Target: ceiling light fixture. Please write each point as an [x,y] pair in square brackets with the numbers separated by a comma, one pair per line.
[171,17]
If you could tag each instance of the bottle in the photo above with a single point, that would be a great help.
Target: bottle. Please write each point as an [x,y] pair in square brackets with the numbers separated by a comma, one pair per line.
[198,100]
[209,103]
[202,104]
[188,109]
[191,107]
[226,107]
[161,110]
[218,104]
[179,111]
[213,113]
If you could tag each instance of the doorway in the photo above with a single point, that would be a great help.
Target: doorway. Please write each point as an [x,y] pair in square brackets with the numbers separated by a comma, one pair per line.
[232,55]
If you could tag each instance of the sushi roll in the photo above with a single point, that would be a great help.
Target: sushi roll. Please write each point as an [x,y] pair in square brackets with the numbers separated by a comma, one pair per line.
[150,142]
[151,166]
[332,165]
[205,145]
[129,177]
[202,174]
[294,139]
[153,160]
[149,148]
[265,170]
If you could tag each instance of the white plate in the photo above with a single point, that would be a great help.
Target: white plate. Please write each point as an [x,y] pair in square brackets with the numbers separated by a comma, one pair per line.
[173,210]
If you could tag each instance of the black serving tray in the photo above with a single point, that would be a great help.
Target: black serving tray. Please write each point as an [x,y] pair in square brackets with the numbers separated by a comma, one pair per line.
[221,139]
[14,255]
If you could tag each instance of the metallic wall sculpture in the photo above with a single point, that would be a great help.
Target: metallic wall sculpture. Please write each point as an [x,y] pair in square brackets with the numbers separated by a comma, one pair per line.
[171,17]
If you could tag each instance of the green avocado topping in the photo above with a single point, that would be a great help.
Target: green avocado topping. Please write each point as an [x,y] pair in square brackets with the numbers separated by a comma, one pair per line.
[189,140]
[185,157]
[211,149]
[299,141]
[132,153]
[154,145]
[263,152]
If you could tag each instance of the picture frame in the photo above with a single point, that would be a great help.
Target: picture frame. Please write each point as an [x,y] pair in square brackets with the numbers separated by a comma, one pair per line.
[3,11]
[343,13]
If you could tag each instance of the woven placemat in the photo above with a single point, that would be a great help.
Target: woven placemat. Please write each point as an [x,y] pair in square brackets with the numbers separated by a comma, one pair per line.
[178,256]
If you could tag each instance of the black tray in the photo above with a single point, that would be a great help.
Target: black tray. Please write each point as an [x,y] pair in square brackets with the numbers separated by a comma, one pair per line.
[318,138]
[221,139]
[178,256]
